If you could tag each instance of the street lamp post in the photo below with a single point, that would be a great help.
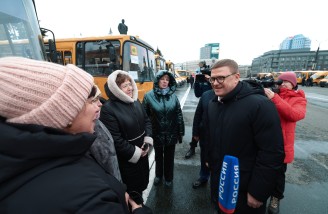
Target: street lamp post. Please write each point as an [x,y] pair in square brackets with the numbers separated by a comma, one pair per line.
[314,65]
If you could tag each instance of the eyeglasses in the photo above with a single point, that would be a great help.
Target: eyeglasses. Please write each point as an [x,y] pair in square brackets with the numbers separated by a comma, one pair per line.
[219,79]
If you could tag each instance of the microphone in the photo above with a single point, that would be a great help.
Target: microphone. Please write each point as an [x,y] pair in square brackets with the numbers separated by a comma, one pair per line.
[228,184]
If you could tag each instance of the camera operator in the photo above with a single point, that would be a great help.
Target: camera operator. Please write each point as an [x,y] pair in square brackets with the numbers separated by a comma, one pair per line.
[269,82]
[202,83]
[291,105]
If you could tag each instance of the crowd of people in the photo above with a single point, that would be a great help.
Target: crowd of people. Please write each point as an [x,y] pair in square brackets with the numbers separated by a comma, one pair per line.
[65,149]
[235,121]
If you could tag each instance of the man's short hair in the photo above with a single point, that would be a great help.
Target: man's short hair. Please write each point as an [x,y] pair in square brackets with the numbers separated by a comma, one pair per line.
[226,62]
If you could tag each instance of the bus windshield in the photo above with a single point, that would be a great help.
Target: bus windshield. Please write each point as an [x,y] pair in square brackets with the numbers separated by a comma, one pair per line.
[102,55]
[94,56]
[139,62]
[20,34]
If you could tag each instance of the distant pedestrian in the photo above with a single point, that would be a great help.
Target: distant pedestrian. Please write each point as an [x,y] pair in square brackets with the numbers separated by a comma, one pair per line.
[291,105]
[310,80]
[164,111]
[303,80]
[191,80]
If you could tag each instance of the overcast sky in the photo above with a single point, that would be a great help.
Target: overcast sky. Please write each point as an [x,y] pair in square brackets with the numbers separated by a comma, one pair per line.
[244,29]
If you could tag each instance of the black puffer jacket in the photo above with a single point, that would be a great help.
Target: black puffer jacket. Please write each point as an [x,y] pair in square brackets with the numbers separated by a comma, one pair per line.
[245,124]
[130,127]
[44,170]
[164,112]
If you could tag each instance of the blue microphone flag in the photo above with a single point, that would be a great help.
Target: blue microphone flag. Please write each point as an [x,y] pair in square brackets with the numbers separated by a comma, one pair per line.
[228,184]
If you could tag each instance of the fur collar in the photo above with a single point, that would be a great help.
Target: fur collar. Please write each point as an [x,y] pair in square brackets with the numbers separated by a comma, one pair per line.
[117,92]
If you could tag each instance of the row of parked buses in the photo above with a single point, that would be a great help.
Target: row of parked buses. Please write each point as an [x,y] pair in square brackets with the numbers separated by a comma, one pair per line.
[319,78]
[98,56]
[102,55]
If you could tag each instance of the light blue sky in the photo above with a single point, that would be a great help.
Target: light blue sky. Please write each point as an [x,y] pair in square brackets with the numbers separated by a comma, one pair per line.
[244,29]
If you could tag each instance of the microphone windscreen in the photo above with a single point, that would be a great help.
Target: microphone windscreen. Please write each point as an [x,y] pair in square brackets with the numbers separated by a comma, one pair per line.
[228,184]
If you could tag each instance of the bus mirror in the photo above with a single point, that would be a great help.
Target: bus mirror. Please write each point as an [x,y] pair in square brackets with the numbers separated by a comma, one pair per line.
[52,50]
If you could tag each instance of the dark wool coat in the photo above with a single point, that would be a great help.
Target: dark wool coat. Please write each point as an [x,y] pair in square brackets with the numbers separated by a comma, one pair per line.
[164,112]
[44,170]
[246,124]
[199,126]
[130,127]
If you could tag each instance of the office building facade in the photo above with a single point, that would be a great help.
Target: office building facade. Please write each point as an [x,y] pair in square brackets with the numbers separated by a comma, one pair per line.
[210,51]
[290,60]
[295,42]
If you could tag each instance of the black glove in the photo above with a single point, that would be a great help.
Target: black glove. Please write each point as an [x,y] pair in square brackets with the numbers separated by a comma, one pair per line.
[180,139]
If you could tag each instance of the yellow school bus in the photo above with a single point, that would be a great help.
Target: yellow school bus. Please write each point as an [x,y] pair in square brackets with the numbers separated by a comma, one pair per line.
[324,82]
[102,55]
[303,74]
[317,77]
[276,75]
[262,75]
[160,62]
[170,66]
[184,73]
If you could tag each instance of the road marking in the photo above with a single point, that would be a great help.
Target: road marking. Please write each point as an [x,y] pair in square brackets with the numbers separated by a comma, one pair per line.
[184,98]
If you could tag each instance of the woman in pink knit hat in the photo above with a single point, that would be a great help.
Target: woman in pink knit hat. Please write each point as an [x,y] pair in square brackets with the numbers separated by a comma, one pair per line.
[291,105]
[47,119]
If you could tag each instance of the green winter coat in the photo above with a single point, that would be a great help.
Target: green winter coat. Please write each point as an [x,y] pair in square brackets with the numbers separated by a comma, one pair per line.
[164,112]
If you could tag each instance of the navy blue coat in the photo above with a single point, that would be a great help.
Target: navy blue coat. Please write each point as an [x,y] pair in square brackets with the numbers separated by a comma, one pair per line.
[200,127]
[245,124]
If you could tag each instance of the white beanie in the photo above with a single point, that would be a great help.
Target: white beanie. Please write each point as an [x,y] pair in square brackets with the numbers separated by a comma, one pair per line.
[42,93]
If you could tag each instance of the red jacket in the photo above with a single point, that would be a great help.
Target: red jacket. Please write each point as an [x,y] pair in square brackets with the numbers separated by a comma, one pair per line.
[291,106]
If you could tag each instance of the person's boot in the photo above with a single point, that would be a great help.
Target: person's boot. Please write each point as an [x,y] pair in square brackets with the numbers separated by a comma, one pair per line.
[273,207]
[190,152]
[157,181]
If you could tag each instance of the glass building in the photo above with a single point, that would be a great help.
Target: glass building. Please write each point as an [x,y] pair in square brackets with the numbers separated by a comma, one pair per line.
[210,51]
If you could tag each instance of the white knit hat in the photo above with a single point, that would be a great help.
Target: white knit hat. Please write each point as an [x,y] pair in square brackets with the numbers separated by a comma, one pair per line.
[42,93]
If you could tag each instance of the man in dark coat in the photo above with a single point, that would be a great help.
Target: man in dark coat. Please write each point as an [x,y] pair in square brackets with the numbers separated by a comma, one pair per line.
[199,133]
[245,124]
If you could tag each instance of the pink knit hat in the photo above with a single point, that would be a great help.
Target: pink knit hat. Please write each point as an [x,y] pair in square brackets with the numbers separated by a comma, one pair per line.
[42,93]
[289,76]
